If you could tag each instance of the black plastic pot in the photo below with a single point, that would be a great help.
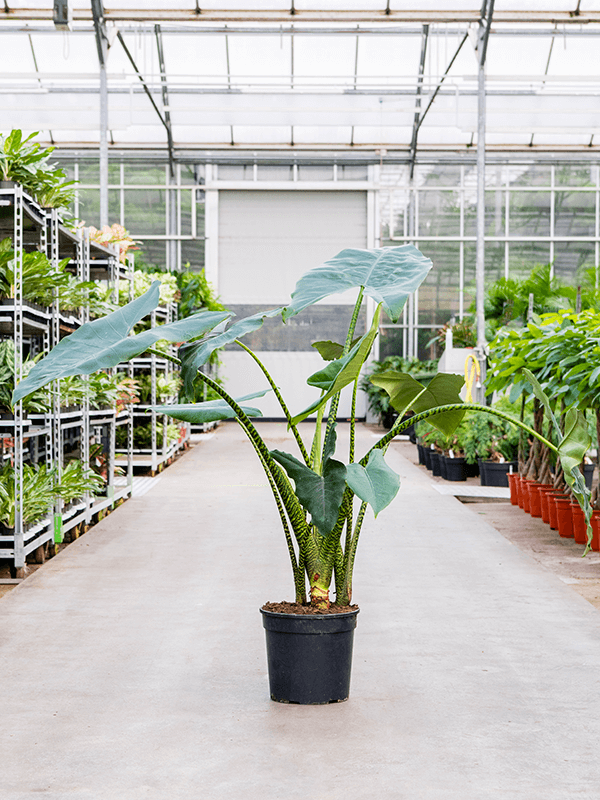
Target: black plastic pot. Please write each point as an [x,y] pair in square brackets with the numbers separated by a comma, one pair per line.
[427,454]
[436,467]
[455,469]
[472,470]
[588,474]
[421,452]
[493,474]
[442,460]
[309,656]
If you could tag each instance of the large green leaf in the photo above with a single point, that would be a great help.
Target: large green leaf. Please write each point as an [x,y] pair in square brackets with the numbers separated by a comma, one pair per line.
[194,355]
[337,374]
[211,410]
[329,350]
[443,390]
[375,484]
[573,447]
[544,399]
[105,342]
[320,495]
[388,275]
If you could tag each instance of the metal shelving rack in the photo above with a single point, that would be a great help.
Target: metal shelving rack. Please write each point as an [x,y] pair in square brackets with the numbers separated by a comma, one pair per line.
[33,228]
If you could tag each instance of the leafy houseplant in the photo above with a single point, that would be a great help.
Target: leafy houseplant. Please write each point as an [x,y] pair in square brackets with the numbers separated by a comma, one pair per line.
[315,493]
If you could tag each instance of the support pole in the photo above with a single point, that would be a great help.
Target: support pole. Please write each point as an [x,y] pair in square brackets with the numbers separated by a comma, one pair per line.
[484,31]
[102,47]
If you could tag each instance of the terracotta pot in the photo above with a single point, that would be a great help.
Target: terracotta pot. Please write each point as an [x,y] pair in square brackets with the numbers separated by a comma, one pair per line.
[525,494]
[513,480]
[551,496]
[535,506]
[544,492]
[579,526]
[596,531]
[564,517]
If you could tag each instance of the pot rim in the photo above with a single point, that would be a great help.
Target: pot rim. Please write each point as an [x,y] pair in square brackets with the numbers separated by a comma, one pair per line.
[279,615]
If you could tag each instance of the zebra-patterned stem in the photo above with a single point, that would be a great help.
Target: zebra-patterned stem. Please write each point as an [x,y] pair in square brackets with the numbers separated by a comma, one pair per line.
[281,401]
[400,426]
[346,594]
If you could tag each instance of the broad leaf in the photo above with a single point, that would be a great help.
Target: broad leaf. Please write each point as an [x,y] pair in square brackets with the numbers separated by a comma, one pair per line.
[194,355]
[329,350]
[544,399]
[338,374]
[375,484]
[442,390]
[571,450]
[388,275]
[211,410]
[320,495]
[105,342]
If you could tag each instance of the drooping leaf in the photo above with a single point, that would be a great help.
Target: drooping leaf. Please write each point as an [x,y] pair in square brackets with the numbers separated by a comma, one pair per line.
[320,495]
[376,484]
[342,372]
[329,350]
[105,342]
[388,275]
[571,450]
[211,410]
[442,390]
[544,399]
[195,354]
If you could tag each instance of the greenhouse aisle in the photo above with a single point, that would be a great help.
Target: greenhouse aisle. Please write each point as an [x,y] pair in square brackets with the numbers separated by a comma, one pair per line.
[134,663]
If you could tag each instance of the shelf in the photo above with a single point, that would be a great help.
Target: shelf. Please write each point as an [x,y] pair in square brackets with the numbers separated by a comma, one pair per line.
[36,319]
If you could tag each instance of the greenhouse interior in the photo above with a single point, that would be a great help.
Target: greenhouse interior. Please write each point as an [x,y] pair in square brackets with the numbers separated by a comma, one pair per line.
[364,233]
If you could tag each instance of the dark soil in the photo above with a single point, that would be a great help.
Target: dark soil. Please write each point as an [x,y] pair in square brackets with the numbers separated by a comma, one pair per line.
[296,608]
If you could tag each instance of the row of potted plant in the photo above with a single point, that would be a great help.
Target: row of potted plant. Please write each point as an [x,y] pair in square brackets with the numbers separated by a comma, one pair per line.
[557,509]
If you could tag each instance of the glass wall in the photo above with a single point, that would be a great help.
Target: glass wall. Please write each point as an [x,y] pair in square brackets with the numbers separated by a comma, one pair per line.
[165,216]
[534,214]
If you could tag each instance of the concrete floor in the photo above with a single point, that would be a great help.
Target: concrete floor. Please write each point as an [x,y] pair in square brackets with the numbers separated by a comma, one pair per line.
[133,663]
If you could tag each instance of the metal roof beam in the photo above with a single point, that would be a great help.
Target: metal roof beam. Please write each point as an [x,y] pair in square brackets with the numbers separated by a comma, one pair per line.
[413,143]
[385,17]
[165,97]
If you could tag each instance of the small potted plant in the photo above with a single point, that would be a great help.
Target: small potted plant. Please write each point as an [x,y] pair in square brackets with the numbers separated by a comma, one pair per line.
[321,500]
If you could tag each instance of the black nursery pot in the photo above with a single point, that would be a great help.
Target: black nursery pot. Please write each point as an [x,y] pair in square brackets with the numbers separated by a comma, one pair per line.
[455,469]
[309,656]
[421,452]
[436,466]
[427,456]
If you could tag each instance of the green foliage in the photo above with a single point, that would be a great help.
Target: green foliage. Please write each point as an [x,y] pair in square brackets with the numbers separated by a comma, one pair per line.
[76,480]
[377,398]
[166,386]
[25,162]
[37,402]
[38,493]
[196,293]
[40,277]
[142,435]
[142,281]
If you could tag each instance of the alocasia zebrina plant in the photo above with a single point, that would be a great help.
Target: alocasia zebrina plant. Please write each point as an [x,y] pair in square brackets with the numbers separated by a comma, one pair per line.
[314,492]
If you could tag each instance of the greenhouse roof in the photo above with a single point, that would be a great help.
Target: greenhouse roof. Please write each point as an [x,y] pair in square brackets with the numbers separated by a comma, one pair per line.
[353,76]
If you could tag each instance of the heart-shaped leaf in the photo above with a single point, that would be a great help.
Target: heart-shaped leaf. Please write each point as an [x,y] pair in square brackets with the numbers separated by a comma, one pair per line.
[388,275]
[442,390]
[337,374]
[320,495]
[211,410]
[195,354]
[375,484]
[105,342]
[329,350]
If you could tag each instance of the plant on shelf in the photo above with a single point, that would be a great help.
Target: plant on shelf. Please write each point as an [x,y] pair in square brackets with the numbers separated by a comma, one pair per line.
[77,481]
[166,386]
[40,277]
[37,402]
[321,501]
[377,398]
[26,163]
[117,235]
[142,281]
[463,334]
[38,489]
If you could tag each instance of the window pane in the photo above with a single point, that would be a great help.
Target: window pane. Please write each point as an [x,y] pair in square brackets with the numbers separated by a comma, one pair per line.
[145,173]
[534,175]
[185,209]
[571,259]
[352,173]
[575,213]
[438,175]
[522,256]
[322,172]
[575,175]
[439,292]
[152,254]
[439,213]
[274,173]
[89,206]
[145,211]
[192,254]
[530,213]
[192,174]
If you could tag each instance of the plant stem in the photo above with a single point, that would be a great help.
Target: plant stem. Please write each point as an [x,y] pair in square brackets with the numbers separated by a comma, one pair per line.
[281,401]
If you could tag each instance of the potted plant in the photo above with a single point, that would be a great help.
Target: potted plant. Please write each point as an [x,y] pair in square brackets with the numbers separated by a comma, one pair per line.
[321,501]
